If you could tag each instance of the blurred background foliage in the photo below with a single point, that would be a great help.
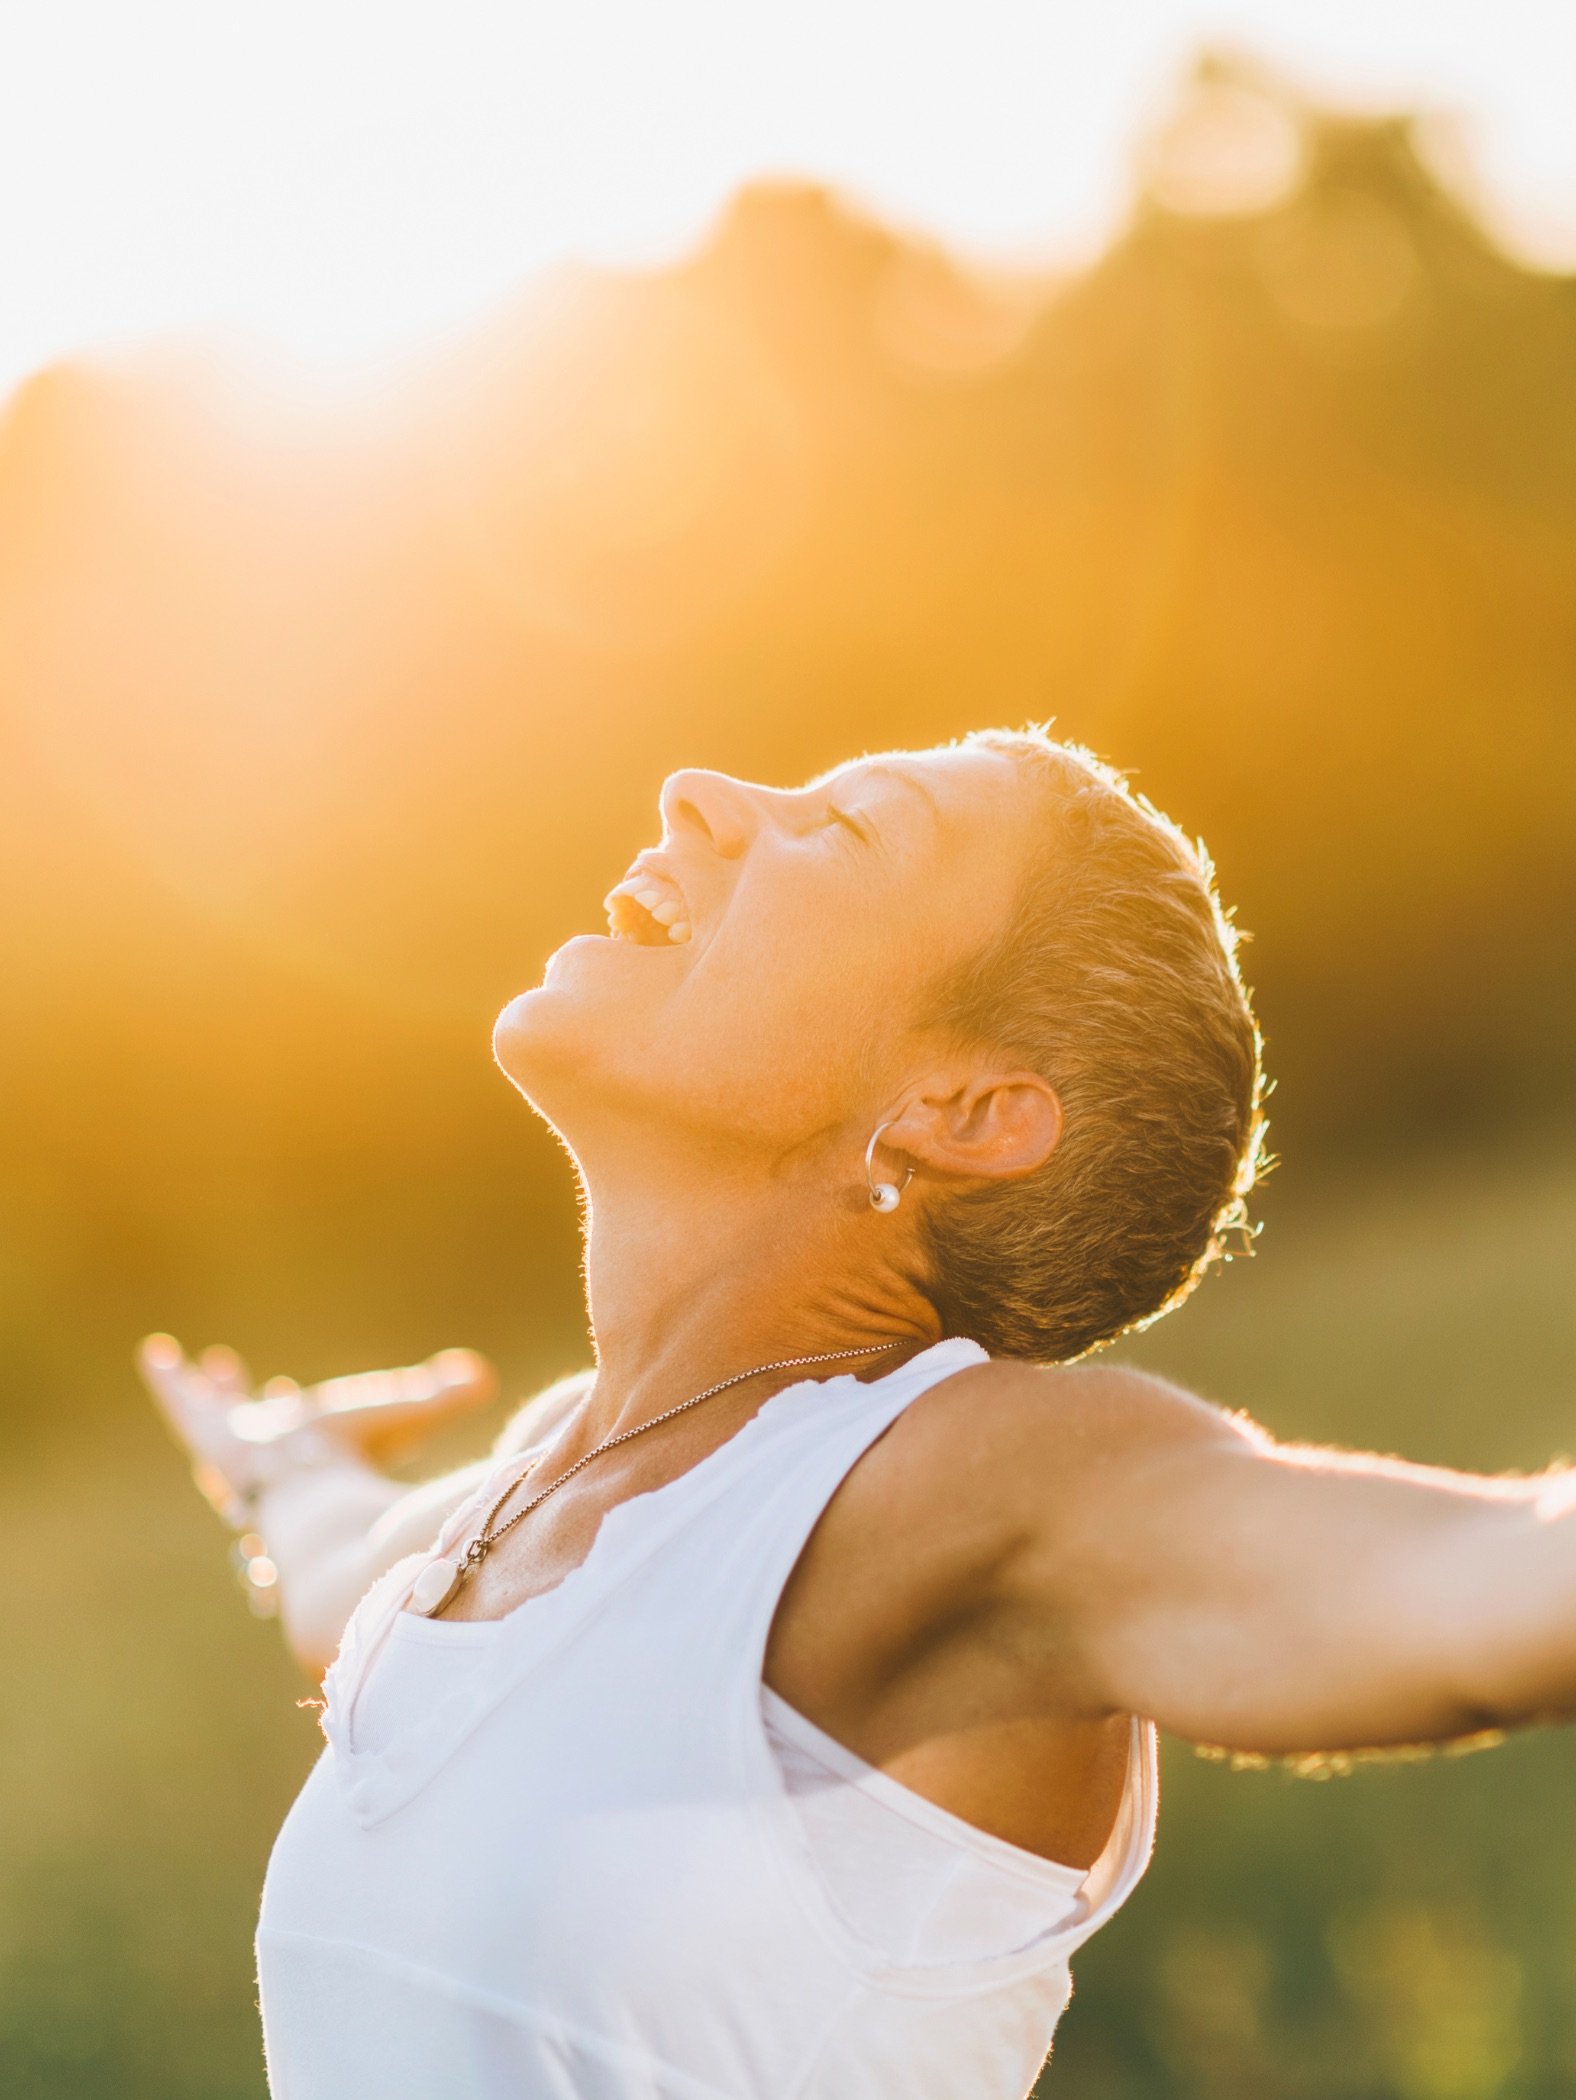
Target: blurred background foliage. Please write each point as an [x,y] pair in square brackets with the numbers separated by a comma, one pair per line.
[324,719]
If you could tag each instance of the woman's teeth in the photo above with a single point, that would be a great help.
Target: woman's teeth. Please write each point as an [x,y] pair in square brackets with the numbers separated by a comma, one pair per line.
[646,915]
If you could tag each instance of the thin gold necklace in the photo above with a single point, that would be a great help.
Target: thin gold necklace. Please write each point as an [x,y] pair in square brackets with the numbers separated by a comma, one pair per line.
[442,1579]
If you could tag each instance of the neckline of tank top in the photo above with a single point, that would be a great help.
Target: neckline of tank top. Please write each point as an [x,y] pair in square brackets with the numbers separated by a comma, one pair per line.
[539,1626]
[617,1526]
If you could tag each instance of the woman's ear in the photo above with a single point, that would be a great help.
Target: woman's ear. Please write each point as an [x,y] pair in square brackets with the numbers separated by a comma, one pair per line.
[996,1126]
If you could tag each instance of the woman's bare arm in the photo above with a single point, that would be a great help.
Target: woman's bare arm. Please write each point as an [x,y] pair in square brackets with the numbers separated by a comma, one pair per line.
[1176,1561]
[332,1530]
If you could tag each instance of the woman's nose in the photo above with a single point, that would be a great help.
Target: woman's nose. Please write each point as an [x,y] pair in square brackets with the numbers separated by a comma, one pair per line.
[725,812]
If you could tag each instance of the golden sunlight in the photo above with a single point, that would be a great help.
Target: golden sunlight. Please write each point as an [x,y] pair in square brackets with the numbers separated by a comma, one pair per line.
[347,182]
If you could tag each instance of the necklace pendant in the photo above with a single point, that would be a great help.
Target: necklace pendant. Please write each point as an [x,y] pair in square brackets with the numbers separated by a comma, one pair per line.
[438,1582]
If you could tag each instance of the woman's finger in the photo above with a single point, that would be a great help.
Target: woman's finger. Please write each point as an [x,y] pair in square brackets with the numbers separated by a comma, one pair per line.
[160,1363]
[193,1411]
[207,1405]
[377,1406]
[226,1369]
[223,1436]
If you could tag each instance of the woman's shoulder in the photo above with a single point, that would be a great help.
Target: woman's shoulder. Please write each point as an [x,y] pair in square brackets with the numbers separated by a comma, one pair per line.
[1011,1411]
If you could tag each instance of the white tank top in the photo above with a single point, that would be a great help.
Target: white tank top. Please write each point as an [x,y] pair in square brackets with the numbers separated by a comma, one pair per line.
[607,1864]
[914,1882]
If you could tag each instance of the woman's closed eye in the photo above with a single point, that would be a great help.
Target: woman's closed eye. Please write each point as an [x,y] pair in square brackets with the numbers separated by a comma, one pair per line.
[850,823]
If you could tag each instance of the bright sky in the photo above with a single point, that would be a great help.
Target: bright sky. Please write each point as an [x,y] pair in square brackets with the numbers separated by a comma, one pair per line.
[345,178]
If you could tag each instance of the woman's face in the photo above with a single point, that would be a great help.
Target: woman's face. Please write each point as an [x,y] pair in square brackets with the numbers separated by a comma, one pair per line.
[817,918]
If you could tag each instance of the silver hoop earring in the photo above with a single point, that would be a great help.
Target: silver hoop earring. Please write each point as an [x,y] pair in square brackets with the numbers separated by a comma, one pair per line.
[884,1195]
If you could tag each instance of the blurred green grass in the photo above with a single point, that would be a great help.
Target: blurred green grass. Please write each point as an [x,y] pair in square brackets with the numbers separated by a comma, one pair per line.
[1404,1934]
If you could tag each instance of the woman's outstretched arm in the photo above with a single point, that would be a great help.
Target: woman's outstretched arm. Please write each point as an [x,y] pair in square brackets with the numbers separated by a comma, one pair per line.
[1174,1560]
[333,1525]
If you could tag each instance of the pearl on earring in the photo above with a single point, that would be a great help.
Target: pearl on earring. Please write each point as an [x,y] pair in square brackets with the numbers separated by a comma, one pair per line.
[885,1196]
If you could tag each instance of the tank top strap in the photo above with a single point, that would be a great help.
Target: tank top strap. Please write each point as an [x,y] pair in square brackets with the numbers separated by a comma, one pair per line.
[789,1462]
[863,1417]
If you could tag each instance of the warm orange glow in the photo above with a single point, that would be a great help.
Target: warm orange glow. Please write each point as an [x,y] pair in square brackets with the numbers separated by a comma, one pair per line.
[352,183]
[334,695]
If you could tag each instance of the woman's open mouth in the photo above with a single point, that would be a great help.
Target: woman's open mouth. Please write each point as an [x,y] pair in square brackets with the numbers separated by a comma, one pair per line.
[648,909]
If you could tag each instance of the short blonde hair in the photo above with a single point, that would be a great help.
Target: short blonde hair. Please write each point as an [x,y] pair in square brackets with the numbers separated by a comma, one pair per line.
[1117,980]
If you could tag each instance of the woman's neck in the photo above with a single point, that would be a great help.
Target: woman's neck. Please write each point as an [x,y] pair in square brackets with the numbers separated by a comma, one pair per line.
[688,1286]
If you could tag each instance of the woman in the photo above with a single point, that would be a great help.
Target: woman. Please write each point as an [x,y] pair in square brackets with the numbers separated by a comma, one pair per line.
[774,1713]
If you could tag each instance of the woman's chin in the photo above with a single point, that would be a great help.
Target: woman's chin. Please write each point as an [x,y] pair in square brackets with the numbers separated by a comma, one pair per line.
[525,1025]
[583,984]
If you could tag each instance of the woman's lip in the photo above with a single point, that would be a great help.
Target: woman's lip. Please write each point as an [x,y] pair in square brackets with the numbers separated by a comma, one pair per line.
[649,913]
[658,891]
[651,870]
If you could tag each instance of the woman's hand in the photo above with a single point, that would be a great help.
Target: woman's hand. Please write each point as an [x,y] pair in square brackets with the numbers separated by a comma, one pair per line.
[240,1441]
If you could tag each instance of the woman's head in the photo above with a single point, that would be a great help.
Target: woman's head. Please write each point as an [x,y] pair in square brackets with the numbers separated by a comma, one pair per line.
[994,947]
